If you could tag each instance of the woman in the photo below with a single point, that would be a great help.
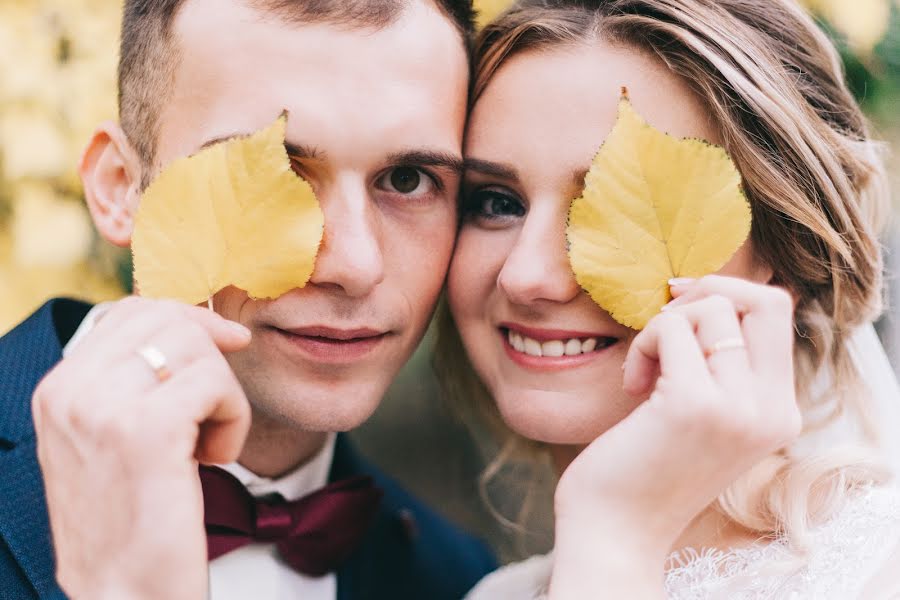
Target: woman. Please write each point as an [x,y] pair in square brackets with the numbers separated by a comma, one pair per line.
[728,450]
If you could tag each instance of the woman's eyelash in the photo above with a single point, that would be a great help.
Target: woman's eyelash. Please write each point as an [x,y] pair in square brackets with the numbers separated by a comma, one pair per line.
[476,202]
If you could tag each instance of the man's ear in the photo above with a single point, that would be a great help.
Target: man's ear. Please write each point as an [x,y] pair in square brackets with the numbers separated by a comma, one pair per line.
[111,174]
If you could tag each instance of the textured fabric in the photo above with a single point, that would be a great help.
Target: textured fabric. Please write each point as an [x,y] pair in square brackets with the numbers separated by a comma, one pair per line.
[410,553]
[313,534]
[26,354]
[843,557]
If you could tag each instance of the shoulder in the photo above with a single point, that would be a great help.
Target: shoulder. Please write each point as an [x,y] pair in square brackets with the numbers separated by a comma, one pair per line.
[26,354]
[411,549]
[437,535]
[526,580]
[838,558]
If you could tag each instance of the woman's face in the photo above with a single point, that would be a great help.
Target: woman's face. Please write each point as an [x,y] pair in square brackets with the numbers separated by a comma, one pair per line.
[551,358]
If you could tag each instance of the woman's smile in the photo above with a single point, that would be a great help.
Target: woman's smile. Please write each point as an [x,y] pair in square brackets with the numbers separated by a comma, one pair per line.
[552,349]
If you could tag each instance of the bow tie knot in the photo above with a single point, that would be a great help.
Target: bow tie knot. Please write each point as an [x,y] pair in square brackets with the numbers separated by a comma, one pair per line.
[273,521]
[313,534]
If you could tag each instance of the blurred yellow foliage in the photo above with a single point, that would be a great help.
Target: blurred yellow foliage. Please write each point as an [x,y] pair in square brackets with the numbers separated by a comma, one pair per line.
[863,22]
[57,82]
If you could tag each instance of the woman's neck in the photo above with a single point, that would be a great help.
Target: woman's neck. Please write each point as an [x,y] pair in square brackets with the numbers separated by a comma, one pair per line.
[709,529]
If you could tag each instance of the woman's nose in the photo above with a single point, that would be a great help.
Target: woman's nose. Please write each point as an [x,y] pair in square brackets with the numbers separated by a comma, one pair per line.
[538,266]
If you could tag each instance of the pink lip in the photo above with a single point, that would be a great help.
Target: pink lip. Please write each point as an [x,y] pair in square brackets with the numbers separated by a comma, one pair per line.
[546,335]
[332,346]
[335,334]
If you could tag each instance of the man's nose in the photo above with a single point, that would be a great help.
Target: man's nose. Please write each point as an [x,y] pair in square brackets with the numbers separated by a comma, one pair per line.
[538,266]
[350,256]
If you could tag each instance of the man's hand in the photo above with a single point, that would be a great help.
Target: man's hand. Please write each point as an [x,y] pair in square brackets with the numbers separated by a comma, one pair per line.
[118,443]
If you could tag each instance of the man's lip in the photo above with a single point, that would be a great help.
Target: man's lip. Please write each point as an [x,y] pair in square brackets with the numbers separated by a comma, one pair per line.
[331,333]
[547,335]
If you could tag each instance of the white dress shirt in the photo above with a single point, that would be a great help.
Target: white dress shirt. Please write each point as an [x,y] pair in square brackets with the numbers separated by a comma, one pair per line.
[256,572]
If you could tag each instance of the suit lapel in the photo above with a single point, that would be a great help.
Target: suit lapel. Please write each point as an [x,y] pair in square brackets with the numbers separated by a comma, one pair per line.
[385,553]
[26,354]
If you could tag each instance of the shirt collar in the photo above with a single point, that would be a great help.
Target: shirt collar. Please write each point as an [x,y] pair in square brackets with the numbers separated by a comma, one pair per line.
[87,325]
[302,481]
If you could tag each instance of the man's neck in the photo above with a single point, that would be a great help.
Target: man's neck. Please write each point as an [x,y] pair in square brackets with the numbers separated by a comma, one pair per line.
[274,449]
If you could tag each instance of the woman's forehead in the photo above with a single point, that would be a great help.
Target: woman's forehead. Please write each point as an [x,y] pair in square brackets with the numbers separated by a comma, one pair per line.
[567,98]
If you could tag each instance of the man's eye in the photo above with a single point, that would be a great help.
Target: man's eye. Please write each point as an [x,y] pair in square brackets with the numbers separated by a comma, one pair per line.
[492,204]
[408,181]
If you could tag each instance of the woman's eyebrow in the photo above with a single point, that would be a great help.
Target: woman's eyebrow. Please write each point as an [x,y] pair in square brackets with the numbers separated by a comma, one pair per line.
[491,168]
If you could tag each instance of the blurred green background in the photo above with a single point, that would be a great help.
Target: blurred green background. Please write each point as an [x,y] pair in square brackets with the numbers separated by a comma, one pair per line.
[57,82]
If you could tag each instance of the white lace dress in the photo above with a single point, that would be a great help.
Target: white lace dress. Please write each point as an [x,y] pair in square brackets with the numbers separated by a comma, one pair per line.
[852,557]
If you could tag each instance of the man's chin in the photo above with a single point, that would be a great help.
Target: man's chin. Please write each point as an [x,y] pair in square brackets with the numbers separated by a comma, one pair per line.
[319,409]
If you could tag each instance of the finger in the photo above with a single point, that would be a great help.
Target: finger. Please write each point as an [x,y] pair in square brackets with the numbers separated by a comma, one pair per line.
[715,320]
[208,396]
[666,347]
[766,315]
[150,314]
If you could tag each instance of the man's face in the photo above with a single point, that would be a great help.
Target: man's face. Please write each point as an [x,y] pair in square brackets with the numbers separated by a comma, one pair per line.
[375,125]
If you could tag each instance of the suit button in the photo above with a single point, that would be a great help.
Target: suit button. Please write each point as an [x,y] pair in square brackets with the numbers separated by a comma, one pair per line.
[409,524]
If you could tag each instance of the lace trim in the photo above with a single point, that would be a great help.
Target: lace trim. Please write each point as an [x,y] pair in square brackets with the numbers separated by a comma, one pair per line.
[844,554]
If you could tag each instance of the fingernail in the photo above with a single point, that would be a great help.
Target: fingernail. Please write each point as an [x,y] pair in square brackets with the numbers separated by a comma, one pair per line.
[681,281]
[239,329]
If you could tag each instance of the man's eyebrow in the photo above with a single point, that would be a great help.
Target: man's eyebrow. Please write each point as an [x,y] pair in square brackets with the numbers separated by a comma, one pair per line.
[301,151]
[428,158]
[579,175]
[494,169]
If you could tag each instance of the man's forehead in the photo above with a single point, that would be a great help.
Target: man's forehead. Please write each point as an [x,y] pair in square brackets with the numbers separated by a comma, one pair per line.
[400,87]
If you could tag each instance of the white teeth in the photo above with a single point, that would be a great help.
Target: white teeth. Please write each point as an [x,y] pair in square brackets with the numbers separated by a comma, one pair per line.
[573,347]
[519,343]
[554,348]
[516,341]
[532,347]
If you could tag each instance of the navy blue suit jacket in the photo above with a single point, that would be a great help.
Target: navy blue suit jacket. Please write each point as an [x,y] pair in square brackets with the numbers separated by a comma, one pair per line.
[409,553]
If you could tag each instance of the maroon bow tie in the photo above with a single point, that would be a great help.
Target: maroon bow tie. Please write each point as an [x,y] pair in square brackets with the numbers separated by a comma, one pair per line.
[313,534]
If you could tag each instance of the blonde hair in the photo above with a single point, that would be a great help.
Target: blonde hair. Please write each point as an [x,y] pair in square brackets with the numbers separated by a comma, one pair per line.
[817,186]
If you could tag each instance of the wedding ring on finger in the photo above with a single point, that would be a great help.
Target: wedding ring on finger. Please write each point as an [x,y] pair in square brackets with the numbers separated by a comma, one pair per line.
[735,343]
[157,362]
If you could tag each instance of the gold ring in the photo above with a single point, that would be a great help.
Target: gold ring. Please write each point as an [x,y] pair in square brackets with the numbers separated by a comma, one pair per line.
[156,360]
[735,343]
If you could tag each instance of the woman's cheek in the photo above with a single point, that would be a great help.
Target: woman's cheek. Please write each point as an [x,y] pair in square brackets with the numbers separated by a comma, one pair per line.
[477,262]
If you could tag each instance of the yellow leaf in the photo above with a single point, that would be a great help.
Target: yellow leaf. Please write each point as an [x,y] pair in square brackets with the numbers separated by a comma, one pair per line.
[654,207]
[233,214]
[488,10]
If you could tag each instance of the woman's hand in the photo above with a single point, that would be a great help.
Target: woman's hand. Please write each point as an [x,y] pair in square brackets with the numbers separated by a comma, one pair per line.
[717,366]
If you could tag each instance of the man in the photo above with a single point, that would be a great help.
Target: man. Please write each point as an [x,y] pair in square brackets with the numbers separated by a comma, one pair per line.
[376,96]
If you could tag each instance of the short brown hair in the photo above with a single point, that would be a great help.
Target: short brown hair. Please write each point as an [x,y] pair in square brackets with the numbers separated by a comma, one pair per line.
[148,57]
